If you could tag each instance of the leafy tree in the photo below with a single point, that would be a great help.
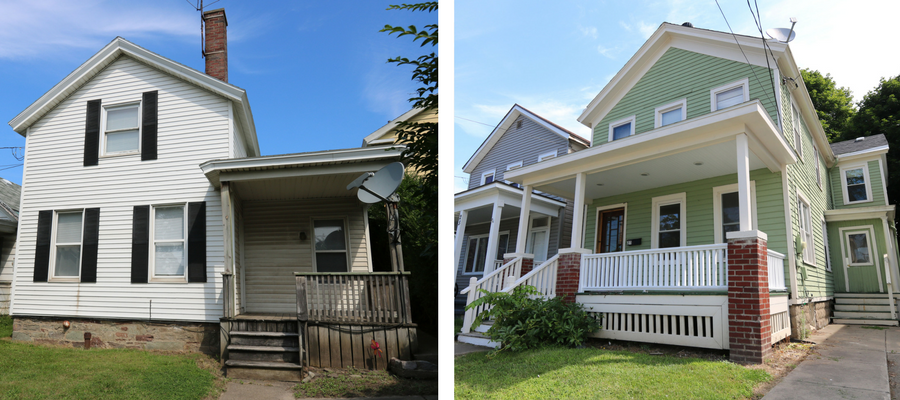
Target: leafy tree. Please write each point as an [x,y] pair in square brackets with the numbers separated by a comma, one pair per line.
[834,105]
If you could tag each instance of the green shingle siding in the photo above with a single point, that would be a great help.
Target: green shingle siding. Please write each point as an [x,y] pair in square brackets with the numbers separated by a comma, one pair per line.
[682,74]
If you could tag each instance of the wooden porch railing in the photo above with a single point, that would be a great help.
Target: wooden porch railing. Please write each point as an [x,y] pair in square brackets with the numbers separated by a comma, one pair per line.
[542,277]
[353,298]
[680,268]
[775,262]
[497,265]
[492,282]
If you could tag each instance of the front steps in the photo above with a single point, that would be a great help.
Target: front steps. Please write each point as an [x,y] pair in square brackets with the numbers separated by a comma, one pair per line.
[863,309]
[477,336]
[264,349]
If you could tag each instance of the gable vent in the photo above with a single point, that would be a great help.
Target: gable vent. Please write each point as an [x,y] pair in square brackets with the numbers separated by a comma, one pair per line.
[519,124]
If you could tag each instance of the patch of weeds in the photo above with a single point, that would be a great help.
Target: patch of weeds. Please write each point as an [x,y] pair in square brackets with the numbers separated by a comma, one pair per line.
[835,359]
[353,382]
[878,328]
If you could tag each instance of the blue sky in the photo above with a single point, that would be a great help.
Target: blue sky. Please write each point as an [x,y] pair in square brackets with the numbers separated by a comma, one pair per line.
[315,72]
[554,59]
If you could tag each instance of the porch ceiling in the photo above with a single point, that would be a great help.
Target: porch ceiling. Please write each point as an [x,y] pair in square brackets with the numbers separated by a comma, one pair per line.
[296,187]
[483,214]
[717,160]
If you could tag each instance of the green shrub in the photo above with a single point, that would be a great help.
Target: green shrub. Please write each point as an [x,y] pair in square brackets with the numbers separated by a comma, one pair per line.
[523,320]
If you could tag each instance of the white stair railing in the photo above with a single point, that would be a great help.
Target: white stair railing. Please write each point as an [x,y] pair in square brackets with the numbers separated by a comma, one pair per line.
[679,268]
[542,277]
[890,285]
[492,282]
[776,271]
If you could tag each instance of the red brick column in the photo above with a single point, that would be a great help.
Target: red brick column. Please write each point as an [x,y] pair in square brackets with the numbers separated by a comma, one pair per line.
[568,271]
[750,332]
[527,266]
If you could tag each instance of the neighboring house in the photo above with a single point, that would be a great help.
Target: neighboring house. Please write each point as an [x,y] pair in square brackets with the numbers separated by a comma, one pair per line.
[10,194]
[151,220]
[387,134]
[711,210]
[488,213]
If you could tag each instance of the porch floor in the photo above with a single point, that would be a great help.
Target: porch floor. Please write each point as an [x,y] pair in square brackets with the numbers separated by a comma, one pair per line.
[267,316]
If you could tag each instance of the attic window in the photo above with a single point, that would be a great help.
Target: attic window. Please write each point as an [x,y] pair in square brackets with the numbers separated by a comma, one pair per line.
[729,95]
[671,113]
[121,129]
[622,128]
[547,156]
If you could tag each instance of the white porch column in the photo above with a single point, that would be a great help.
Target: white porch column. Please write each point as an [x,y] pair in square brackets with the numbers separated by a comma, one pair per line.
[459,239]
[524,213]
[578,214]
[493,239]
[743,175]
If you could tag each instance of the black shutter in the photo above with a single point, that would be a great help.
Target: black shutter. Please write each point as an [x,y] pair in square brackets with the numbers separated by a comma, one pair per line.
[197,242]
[148,126]
[42,248]
[89,241]
[92,133]
[140,244]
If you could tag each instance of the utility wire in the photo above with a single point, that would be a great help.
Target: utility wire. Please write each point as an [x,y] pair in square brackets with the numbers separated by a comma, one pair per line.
[742,49]
[765,45]
[504,130]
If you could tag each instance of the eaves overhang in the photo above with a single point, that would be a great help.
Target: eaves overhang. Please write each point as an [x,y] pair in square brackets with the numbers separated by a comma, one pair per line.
[851,214]
[875,151]
[502,193]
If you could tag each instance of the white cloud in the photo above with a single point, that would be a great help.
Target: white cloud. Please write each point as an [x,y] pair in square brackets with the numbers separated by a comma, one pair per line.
[625,26]
[606,52]
[589,31]
[646,29]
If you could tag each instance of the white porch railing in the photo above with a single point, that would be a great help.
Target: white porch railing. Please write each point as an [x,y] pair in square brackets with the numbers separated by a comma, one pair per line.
[680,268]
[776,271]
[497,265]
[492,282]
[542,277]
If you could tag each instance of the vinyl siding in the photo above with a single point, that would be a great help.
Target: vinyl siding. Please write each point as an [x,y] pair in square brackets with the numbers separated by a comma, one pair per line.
[837,193]
[863,279]
[238,251]
[699,211]
[802,176]
[193,126]
[523,144]
[681,74]
[273,250]
[239,148]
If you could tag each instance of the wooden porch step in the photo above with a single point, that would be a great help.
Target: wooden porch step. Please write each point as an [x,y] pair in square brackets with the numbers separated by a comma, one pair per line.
[863,295]
[477,339]
[864,321]
[262,348]
[267,334]
[870,314]
[862,307]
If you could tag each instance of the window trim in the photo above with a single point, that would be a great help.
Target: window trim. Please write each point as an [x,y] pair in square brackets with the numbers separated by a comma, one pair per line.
[312,244]
[745,83]
[51,276]
[654,222]
[869,231]
[597,212]
[615,124]
[476,237]
[510,167]
[827,248]
[151,265]
[547,156]
[103,115]
[492,174]
[659,111]
[532,229]
[818,169]
[843,176]
[810,236]
[718,191]
[797,127]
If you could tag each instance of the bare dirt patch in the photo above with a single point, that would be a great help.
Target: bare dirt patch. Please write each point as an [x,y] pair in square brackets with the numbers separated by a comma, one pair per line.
[352,382]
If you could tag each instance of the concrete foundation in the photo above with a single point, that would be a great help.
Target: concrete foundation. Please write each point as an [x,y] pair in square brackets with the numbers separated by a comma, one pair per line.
[809,317]
[173,336]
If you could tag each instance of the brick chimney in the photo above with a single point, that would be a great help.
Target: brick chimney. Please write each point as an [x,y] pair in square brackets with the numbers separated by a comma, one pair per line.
[216,43]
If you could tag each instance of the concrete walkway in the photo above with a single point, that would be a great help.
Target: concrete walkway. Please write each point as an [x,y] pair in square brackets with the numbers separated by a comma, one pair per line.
[851,362]
[460,348]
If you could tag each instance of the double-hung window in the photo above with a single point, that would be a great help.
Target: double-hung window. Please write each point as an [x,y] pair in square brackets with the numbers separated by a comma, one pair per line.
[331,245]
[729,95]
[727,211]
[121,129]
[806,229]
[66,245]
[622,128]
[668,221]
[798,138]
[169,255]
[671,113]
[476,252]
[818,170]
[855,184]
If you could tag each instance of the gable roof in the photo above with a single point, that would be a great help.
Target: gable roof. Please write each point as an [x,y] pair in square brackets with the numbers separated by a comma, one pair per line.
[719,44]
[373,138]
[859,144]
[506,123]
[119,47]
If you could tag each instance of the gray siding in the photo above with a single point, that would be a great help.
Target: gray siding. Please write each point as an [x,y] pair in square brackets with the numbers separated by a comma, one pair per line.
[523,144]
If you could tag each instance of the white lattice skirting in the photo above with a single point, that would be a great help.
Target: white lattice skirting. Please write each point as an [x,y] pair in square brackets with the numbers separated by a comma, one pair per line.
[779,317]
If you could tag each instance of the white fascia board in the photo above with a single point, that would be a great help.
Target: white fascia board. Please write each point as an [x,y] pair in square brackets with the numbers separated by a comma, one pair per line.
[501,128]
[471,198]
[750,118]
[850,214]
[371,138]
[788,67]
[872,153]
[719,44]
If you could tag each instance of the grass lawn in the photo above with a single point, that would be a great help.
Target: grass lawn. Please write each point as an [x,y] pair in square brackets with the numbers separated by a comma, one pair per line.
[6,326]
[457,325]
[600,374]
[37,372]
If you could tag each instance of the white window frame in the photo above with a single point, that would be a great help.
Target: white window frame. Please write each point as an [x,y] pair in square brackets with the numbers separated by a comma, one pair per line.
[827,248]
[52,276]
[718,191]
[665,201]
[346,251]
[487,259]
[529,245]
[796,126]
[865,167]
[818,169]
[103,132]
[152,255]
[514,165]
[547,156]
[809,252]
[745,83]
[659,111]
[845,250]
[612,126]
[484,176]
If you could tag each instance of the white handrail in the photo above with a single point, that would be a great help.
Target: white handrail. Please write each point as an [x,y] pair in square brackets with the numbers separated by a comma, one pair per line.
[678,268]
[542,277]
[492,282]
[492,274]
[775,262]
[890,285]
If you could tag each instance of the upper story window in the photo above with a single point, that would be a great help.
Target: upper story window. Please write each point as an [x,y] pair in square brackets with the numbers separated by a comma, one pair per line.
[121,129]
[806,230]
[66,245]
[547,156]
[855,184]
[728,95]
[798,142]
[671,113]
[487,177]
[818,170]
[622,128]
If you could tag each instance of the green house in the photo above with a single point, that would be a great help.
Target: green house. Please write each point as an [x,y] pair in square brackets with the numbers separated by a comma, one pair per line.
[710,197]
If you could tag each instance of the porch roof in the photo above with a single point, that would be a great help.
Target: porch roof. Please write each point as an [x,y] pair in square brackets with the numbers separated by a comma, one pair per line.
[689,150]
[477,202]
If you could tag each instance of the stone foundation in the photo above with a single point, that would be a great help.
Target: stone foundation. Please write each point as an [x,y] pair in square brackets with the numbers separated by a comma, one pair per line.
[809,317]
[173,336]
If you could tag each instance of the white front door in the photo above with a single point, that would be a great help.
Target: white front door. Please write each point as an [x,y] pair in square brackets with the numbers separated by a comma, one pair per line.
[538,238]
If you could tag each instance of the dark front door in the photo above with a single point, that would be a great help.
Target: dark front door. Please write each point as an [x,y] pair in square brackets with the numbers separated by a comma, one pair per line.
[611,226]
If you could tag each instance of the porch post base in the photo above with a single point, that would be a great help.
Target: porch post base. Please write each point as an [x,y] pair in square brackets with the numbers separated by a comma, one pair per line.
[750,331]
[568,273]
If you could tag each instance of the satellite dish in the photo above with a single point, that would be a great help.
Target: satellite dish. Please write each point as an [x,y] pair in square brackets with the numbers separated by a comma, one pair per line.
[783,35]
[381,185]
[359,181]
